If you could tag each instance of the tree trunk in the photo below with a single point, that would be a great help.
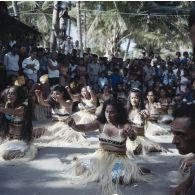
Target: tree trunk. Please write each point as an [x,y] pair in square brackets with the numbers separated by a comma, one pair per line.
[79,28]
[55,26]
[85,43]
[127,49]
[69,27]
[15,9]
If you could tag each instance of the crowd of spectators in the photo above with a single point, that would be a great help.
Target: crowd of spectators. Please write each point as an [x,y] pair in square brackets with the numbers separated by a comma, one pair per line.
[174,77]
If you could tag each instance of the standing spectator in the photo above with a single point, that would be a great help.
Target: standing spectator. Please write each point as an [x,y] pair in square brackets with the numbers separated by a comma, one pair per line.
[53,69]
[42,61]
[30,65]
[116,78]
[73,66]
[11,60]
[149,74]
[177,60]
[103,80]
[93,70]
[22,55]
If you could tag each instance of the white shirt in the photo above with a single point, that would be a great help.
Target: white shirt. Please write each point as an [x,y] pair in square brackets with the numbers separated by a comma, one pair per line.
[28,61]
[53,73]
[102,81]
[11,61]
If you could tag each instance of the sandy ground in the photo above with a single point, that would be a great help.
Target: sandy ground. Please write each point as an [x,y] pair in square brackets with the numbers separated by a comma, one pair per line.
[44,175]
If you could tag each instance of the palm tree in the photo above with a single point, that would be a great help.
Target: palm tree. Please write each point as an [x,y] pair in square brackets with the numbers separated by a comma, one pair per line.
[79,30]
[37,14]
[102,29]
[15,9]
[55,26]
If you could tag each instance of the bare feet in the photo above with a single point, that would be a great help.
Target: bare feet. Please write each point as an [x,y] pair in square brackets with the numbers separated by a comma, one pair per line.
[12,154]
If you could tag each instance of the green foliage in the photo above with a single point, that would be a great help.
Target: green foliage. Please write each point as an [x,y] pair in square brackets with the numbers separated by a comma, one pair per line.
[159,32]
[109,23]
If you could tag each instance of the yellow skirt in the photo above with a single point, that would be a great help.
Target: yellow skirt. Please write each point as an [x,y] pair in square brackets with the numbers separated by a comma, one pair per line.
[100,167]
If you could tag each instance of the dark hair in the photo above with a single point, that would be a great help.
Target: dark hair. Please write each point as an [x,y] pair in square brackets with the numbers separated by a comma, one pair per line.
[62,90]
[186,111]
[26,133]
[154,92]
[34,49]
[141,104]
[121,117]
[20,95]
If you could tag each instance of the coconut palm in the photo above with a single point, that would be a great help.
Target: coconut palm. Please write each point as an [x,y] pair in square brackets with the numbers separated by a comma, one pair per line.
[15,9]
[79,30]
[37,14]
[115,26]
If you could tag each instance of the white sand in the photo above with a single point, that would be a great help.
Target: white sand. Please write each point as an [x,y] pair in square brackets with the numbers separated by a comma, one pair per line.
[44,175]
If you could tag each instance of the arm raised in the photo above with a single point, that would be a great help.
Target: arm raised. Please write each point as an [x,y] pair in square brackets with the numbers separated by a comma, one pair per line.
[94,125]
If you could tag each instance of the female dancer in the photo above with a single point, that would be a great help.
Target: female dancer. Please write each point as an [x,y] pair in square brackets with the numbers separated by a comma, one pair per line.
[16,127]
[152,125]
[103,97]
[57,132]
[87,106]
[137,116]
[166,107]
[110,164]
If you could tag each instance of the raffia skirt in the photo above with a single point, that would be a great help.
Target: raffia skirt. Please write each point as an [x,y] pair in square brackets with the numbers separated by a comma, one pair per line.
[17,151]
[165,119]
[147,145]
[84,117]
[106,168]
[57,134]
[155,128]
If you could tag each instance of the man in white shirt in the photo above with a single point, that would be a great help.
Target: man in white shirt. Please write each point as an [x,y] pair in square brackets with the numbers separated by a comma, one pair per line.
[11,60]
[53,69]
[30,65]
[102,80]
[93,70]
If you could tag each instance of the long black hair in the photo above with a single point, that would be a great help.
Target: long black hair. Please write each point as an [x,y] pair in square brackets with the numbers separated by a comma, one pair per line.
[26,132]
[121,117]
[141,102]
[154,93]
[62,90]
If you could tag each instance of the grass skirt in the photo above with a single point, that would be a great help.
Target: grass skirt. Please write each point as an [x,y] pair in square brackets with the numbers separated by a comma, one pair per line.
[165,119]
[20,150]
[154,128]
[98,167]
[147,145]
[84,117]
[58,134]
